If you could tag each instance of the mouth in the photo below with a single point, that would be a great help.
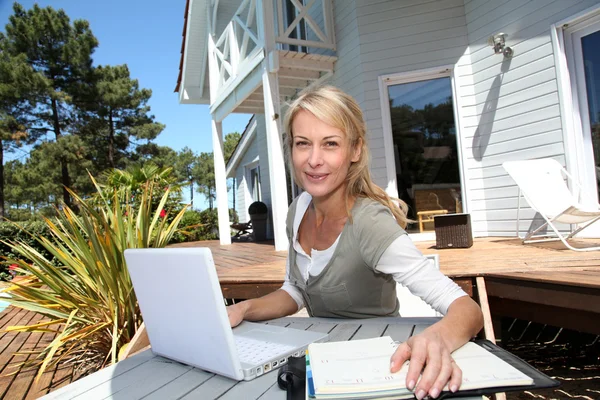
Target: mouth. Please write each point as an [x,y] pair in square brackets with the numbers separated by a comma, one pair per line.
[316,177]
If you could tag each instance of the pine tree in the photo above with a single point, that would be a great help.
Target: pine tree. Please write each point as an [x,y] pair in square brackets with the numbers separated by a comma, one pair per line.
[116,113]
[61,51]
[19,85]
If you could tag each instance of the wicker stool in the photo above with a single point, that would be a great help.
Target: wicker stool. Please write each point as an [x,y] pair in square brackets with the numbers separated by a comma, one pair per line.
[453,231]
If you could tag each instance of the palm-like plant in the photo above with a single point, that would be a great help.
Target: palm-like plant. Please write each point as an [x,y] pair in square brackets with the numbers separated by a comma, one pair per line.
[86,288]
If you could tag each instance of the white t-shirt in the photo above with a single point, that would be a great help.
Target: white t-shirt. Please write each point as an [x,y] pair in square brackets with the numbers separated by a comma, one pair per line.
[413,271]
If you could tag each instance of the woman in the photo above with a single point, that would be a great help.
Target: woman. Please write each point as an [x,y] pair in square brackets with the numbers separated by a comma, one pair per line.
[348,247]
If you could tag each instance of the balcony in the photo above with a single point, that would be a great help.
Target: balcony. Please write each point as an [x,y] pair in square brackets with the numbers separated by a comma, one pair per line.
[293,40]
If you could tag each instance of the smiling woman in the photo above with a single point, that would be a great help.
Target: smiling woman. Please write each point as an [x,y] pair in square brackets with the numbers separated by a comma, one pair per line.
[348,247]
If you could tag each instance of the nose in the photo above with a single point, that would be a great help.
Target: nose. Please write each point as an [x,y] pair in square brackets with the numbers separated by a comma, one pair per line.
[315,159]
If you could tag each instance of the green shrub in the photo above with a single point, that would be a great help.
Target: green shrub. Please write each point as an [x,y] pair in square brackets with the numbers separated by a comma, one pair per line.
[201,225]
[88,294]
[23,232]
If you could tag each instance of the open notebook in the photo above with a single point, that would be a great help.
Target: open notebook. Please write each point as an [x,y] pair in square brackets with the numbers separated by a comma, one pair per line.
[360,370]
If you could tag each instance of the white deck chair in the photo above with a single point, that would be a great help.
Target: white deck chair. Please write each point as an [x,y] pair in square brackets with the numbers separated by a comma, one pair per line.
[543,185]
[413,306]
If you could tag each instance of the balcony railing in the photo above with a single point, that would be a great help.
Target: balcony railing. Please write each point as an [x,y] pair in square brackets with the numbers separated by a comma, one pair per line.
[240,48]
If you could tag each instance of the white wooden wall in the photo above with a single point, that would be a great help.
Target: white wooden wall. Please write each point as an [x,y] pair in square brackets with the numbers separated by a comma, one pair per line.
[513,106]
[257,148]
[348,69]
[241,183]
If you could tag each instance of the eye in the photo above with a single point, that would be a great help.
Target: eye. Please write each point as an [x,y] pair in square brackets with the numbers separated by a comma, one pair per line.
[331,143]
[301,143]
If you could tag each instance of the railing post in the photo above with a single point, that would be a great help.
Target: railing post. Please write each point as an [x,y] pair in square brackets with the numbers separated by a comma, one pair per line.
[213,67]
[234,50]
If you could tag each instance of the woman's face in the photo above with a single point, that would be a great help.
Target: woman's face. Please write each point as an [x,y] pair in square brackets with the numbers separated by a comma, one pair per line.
[321,155]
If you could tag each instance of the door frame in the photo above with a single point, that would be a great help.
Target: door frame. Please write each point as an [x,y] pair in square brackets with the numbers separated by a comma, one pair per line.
[414,76]
[566,40]
[566,37]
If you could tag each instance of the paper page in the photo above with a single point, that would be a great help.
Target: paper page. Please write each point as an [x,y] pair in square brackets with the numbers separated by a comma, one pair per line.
[364,365]
[483,369]
[359,365]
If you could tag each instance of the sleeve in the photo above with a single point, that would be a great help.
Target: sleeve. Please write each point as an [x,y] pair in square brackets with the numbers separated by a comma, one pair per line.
[410,268]
[375,228]
[290,288]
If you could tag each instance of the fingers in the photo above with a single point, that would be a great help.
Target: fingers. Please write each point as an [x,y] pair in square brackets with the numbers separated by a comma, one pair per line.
[447,370]
[436,367]
[400,356]
[456,378]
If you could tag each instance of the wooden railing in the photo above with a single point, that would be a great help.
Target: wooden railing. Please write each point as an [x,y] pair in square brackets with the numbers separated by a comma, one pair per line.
[240,47]
[238,43]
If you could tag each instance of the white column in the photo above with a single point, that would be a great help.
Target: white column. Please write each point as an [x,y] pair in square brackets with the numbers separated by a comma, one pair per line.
[221,182]
[277,178]
[266,32]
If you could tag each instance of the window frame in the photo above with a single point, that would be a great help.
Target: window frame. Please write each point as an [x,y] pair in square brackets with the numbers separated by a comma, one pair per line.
[414,76]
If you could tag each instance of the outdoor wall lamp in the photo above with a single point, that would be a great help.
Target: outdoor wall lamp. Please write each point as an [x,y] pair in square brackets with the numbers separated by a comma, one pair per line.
[498,42]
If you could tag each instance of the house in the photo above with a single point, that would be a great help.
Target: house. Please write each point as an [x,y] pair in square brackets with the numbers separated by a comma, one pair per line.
[450,89]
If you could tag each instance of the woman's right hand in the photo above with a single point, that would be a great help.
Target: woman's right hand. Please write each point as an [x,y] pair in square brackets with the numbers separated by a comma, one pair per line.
[236,313]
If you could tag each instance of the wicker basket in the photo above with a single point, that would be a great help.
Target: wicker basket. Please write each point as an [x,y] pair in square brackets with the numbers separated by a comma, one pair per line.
[453,231]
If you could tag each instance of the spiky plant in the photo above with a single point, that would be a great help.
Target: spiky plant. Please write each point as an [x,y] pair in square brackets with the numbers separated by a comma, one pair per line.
[86,290]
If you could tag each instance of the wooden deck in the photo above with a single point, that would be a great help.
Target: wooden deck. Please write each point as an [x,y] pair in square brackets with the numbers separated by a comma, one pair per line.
[23,385]
[544,283]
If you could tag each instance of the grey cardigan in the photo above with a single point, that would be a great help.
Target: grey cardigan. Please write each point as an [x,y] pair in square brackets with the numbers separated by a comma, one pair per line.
[349,286]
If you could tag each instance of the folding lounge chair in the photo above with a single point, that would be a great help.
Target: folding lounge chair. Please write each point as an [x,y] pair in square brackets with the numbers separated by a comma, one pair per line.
[543,185]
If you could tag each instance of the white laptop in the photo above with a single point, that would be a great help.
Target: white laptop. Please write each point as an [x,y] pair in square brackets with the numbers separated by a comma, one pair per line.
[183,308]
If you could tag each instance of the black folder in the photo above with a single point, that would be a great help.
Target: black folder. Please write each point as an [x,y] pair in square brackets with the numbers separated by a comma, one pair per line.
[540,380]
[296,371]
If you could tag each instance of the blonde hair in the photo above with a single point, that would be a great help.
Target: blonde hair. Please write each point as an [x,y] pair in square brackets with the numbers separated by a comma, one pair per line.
[340,110]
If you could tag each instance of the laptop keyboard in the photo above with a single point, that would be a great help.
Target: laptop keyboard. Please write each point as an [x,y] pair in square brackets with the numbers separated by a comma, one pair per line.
[254,351]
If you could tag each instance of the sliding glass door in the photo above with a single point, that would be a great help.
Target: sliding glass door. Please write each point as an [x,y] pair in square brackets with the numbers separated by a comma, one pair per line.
[425,148]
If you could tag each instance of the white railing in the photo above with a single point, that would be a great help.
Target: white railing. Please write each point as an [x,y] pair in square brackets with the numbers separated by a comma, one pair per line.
[238,43]
[241,45]
[319,35]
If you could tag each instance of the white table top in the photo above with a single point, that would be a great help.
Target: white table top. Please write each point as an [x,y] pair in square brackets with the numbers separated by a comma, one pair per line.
[152,377]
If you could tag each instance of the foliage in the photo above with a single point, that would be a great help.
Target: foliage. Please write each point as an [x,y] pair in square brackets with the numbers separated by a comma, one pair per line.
[204,175]
[204,169]
[87,291]
[201,225]
[184,164]
[61,51]
[19,84]
[115,112]
[229,145]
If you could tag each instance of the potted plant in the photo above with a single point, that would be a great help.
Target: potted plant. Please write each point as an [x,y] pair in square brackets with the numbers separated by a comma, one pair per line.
[258,216]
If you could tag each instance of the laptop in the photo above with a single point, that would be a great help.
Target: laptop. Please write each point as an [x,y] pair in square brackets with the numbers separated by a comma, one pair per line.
[182,305]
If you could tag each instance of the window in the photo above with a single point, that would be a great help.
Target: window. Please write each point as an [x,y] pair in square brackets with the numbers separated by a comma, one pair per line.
[419,122]
[253,181]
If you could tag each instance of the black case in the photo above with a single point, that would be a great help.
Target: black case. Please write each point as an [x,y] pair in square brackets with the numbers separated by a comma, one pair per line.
[296,370]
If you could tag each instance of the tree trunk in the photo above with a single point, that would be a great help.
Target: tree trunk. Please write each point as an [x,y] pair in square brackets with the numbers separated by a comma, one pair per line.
[2,213]
[64,167]
[192,193]
[111,141]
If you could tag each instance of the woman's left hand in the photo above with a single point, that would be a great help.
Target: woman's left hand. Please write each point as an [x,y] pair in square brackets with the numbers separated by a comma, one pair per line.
[429,357]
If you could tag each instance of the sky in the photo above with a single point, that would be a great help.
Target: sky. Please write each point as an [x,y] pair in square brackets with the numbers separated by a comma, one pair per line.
[145,35]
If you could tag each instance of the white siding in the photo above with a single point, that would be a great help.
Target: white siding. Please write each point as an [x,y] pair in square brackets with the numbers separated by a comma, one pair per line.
[513,106]
[257,149]
[241,184]
[348,69]
[400,36]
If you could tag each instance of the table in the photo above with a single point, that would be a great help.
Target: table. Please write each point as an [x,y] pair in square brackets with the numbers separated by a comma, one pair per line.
[151,377]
